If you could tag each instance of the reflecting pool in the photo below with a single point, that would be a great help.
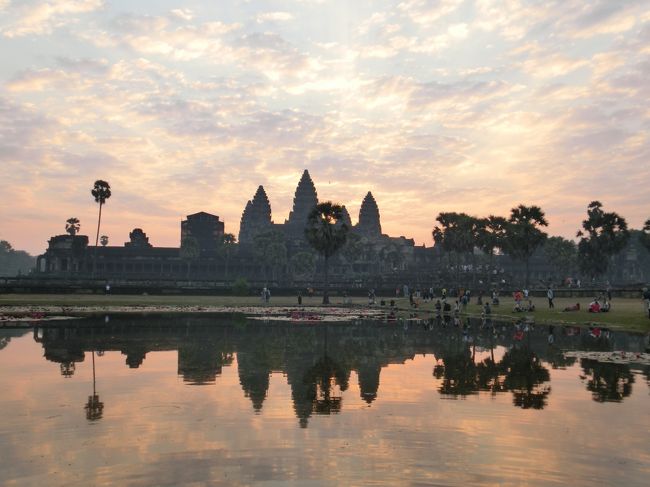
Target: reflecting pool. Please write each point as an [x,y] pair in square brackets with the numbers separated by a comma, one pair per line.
[224,400]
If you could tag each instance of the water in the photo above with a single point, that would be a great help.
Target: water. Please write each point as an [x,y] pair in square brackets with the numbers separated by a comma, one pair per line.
[214,400]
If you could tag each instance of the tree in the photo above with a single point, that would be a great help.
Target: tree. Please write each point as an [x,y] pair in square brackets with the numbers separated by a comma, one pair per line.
[271,250]
[101,192]
[72,226]
[603,235]
[103,240]
[523,235]
[645,234]
[227,246]
[458,233]
[303,264]
[562,254]
[189,251]
[491,236]
[326,232]
[14,262]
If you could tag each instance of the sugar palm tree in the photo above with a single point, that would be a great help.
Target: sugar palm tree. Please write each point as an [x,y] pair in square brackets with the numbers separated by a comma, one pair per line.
[101,192]
[326,232]
[103,240]
[72,225]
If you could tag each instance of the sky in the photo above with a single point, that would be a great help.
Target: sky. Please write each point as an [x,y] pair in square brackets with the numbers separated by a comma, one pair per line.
[449,105]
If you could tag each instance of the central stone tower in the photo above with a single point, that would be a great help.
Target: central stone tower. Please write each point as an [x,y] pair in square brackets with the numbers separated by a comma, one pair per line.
[304,201]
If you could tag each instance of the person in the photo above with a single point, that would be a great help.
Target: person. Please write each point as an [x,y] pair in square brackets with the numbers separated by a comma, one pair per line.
[108,288]
[495,298]
[444,294]
[487,311]
[646,297]
[531,306]
[267,295]
[605,307]
[550,295]
[446,308]
[594,306]
[575,307]
[299,298]
[525,293]
[438,306]
[609,291]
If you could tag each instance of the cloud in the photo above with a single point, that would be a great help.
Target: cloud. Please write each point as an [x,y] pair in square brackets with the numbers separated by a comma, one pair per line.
[42,17]
[274,17]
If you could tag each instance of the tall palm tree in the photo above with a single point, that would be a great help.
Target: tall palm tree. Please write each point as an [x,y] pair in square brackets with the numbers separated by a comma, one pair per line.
[103,240]
[523,235]
[326,232]
[72,225]
[101,192]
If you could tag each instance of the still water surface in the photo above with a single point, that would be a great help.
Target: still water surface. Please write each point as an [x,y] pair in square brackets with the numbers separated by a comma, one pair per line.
[227,401]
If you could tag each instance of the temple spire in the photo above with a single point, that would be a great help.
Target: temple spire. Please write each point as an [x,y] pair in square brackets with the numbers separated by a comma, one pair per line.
[369,222]
[304,200]
[256,217]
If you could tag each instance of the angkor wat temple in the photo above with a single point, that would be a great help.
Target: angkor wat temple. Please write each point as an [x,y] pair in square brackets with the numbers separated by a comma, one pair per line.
[368,253]
[278,255]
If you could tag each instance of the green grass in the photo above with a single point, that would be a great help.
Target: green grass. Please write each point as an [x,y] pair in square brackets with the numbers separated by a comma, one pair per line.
[626,314]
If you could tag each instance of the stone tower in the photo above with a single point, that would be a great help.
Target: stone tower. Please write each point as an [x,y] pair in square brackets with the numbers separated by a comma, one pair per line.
[369,224]
[256,217]
[346,217]
[303,202]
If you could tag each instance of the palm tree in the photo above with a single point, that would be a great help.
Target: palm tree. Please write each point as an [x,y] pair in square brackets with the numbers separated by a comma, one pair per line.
[72,225]
[326,232]
[101,192]
[491,236]
[523,236]
[103,240]
[603,235]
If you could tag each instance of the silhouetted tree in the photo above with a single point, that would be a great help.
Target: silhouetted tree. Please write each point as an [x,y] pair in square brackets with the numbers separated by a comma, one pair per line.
[562,255]
[491,236]
[101,192]
[227,246]
[457,233]
[303,264]
[603,235]
[326,232]
[271,250]
[523,235]
[72,226]
[13,261]
[189,251]
[645,235]
[103,240]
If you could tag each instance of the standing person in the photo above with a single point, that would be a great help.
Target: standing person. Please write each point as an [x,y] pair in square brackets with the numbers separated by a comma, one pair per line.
[551,296]
[646,297]
[609,291]
[299,298]
[444,294]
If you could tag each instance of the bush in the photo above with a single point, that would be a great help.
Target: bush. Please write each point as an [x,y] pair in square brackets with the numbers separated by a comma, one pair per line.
[240,287]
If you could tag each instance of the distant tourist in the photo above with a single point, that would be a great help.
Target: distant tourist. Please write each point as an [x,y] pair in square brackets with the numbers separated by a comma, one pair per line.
[550,294]
[575,307]
[299,298]
[107,288]
[594,306]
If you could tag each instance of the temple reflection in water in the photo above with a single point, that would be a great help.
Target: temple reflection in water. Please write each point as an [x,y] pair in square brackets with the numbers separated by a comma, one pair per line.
[318,359]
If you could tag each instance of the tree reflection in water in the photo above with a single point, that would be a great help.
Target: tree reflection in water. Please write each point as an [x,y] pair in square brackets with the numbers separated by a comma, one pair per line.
[318,359]
[519,371]
[606,381]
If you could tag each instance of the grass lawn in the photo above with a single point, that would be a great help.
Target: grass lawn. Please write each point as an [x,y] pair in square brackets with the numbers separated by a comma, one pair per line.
[626,314]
